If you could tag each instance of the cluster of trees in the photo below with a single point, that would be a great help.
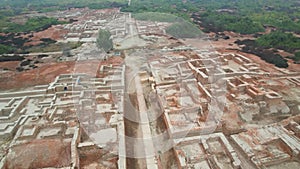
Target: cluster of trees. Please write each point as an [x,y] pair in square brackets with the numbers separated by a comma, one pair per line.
[6,49]
[104,41]
[140,6]
[11,58]
[297,57]
[249,17]
[268,55]
[243,16]
[11,44]
[266,47]
[32,24]
[219,22]
[48,5]
[281,20]
[16,7]
[175,7]
[279,40]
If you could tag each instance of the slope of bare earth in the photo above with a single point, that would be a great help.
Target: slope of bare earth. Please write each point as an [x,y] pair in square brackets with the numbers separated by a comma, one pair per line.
[42,75]
[54,33]
[40,154]
[12,65]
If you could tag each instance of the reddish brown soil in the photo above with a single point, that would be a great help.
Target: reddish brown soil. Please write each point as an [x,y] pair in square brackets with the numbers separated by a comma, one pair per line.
[91,67]
[225,44]
[90,156]
[292,65]
[39,154]
[54,32]
[231,118]
[43,75]
[12,65]
[93,158]
[47,72]
[229,43]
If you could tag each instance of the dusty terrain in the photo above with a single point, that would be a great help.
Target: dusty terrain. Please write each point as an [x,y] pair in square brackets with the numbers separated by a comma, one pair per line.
[47,72]
[39,76]
[55,33]
[176,76]
[36,155]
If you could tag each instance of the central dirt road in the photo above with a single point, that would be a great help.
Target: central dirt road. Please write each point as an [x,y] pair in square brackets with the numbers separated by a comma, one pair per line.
[140,151]
[132,127]
[133,133]
[145,127]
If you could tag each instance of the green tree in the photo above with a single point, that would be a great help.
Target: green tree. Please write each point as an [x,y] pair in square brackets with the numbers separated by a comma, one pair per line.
[279,40]
[297,57]
[104,41]
[6,49]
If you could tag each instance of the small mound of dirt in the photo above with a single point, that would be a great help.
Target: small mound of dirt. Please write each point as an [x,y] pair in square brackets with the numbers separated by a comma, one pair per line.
[39,154]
